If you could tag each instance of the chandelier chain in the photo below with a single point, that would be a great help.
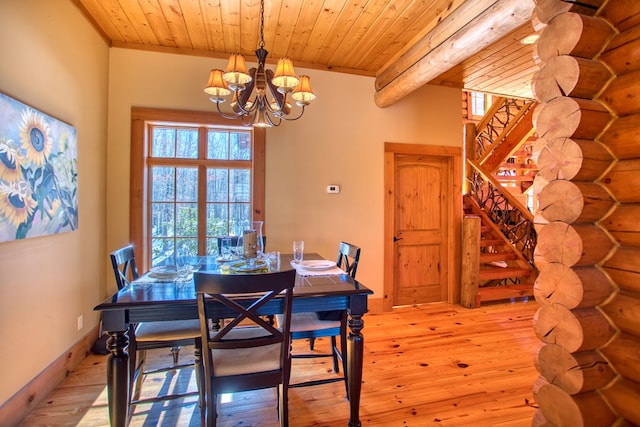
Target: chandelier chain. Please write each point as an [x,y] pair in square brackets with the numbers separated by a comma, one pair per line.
[261,24]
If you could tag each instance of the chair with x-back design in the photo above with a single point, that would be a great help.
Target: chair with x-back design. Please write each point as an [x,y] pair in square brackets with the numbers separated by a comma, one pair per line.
[247,352]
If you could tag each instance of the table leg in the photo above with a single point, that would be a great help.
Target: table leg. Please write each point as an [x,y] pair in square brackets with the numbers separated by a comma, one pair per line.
[355,357]
[118,378]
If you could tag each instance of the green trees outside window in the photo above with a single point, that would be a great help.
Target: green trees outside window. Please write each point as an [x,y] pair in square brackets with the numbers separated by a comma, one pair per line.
[199,187]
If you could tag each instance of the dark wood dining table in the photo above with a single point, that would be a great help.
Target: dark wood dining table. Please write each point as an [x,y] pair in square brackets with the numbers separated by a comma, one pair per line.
[148,301]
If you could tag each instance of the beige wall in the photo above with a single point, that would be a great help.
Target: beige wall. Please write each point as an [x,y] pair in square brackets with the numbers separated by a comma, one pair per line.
[339,140]
[52,59]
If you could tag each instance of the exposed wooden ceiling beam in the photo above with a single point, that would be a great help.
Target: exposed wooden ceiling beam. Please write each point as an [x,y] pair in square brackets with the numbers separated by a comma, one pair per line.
[468,35]
[430,38]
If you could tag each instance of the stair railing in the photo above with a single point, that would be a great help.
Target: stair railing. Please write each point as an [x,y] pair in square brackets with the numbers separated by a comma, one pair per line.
[499,118]
[514,219]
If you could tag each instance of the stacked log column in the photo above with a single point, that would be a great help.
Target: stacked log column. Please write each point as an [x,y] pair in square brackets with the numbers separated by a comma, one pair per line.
[588,251]
[622,95]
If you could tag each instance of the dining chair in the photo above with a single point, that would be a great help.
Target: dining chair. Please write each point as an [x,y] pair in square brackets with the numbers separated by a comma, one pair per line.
[332,324]
[152,335]
[247,352]
[234,243]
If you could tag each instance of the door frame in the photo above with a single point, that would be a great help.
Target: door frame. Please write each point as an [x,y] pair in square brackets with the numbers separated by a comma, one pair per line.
[453,156]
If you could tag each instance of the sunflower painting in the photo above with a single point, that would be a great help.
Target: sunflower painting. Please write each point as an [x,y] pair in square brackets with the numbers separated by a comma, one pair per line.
[38,173]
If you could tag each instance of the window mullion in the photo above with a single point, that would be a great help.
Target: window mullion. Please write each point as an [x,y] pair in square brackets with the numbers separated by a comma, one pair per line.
[175,212]
[202,192]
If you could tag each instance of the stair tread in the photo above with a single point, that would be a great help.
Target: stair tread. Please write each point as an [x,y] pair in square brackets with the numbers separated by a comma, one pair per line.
[519,166]
[495,293]
[502,256]
[502,273]
[515,178]
[506,269]
[491,242]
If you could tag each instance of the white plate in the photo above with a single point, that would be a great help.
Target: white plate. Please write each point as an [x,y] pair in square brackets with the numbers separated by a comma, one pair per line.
[322,264]
[163,272]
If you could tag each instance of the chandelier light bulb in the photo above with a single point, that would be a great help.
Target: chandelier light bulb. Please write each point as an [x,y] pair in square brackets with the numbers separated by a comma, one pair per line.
[303,94]
[217,87]
[236,73]
[285,76]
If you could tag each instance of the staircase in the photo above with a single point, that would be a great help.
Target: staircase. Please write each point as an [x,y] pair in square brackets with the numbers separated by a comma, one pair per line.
[498,223]
[502,271]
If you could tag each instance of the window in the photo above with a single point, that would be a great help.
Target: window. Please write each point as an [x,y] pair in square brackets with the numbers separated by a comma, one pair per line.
[194,177]
[480,103]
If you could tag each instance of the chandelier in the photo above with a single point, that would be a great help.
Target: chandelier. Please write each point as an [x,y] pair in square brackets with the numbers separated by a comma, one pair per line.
[250,90]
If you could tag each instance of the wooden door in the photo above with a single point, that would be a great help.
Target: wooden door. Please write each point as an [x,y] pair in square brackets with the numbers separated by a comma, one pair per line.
[422,224]
[421,201]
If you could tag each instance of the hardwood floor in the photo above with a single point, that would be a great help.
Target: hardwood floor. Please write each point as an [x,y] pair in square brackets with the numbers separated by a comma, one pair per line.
[432,365]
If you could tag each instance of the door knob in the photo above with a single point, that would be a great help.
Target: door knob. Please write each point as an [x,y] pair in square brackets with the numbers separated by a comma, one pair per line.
[395,239]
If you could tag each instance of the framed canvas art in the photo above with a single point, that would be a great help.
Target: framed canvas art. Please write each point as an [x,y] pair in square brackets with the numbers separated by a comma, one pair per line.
[38,173]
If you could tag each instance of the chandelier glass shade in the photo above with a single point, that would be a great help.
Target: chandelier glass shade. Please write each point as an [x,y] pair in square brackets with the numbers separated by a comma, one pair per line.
[259,97]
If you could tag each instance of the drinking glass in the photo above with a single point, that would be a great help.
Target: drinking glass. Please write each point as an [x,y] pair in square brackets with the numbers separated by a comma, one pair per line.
[182,264]
[225,248]
[273,261]
[298,251]
[239,248]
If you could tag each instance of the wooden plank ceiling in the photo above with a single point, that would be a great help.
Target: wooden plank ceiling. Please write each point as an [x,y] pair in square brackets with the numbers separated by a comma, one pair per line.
[361,37]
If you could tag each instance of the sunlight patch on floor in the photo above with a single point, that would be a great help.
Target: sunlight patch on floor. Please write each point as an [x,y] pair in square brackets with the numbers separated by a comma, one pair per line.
[96,411]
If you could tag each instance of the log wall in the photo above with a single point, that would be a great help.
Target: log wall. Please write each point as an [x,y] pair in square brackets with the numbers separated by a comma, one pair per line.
[588,189]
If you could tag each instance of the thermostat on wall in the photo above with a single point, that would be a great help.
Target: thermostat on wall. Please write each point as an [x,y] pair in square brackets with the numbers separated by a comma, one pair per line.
[333,189]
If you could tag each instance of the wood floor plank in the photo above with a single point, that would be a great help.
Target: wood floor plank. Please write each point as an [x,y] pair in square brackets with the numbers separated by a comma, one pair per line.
[431,365]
